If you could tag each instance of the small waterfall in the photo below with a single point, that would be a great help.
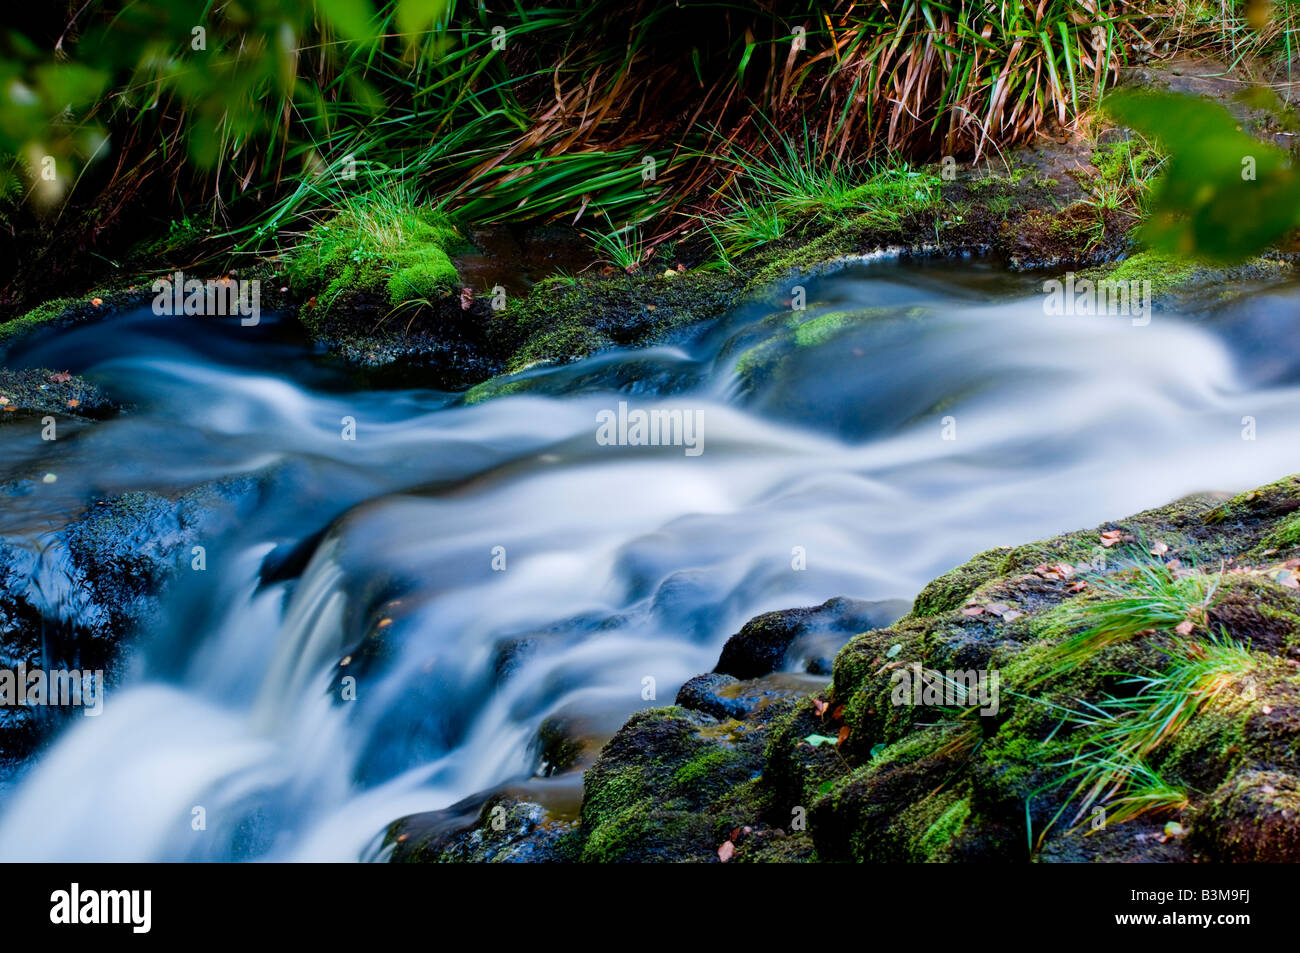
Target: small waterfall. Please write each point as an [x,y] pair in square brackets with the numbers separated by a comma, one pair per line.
[490,566]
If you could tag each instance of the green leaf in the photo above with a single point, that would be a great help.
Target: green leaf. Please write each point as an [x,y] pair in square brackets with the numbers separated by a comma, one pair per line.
[352,18]
[1224,195]
[817,740]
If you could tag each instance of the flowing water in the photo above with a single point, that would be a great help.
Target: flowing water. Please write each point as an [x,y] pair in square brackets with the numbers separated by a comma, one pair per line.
[824,439]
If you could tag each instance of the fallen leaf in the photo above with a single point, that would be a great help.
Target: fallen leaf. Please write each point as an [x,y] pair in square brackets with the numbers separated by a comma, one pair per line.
[96,301]
[838,713]
[73,402]
[61,377]
[844,736]
[998,608]
[818,740]
[819,706]
[1185,627]
[1159,549]
[1174,829]
[973,610]
[894,650]
[1268,709]
[726,851]
[1011,615]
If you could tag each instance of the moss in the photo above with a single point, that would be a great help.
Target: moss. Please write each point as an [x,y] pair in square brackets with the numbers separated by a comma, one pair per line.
[641,833]
[381,245]
[1286,535]
[935,840]
[711,773]
[560,321]
[1253,817]
[951,590]
[1165,273]
[1276,499]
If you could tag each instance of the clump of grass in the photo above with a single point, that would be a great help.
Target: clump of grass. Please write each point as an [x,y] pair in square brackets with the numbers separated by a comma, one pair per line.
[786,184]
[624,248]
[1149,597]
[385,241]
[1121,732]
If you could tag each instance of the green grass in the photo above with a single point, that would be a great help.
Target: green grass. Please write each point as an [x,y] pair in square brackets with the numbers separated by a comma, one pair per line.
[384,242]
[624,248]
[1148,597]
[1122,731]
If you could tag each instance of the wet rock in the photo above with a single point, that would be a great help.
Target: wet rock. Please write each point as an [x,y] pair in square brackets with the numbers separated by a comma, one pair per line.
[853,772]
[68,600]
[560,745]
[763,643]
[702,693]
[500,829]
[42,391]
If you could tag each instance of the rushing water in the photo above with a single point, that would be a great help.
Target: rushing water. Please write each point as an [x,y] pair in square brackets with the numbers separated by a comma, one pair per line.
[621,562]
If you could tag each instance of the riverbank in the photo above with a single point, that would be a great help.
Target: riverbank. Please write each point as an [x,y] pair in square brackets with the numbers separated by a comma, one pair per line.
[1170,736]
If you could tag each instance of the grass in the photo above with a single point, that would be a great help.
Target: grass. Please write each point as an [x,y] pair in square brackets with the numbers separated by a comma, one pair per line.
[547,118]
[787,186]
[1149,597]
[624,248]
[382,241]
[1121,732]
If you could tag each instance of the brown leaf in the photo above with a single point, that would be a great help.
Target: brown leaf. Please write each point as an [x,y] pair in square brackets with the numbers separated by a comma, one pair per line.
[819,706]
[726,851]
[838,713]
[1185,627]
[844,736]
[998,608]
[62,377]
[973,610]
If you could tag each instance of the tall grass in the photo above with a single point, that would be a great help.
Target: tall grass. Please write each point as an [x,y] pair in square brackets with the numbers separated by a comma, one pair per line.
[507,112]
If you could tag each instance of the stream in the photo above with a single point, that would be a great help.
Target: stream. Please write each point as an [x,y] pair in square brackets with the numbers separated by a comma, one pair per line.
[482,567]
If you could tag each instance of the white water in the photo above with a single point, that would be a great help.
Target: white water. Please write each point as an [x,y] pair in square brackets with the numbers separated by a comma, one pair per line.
[624,562]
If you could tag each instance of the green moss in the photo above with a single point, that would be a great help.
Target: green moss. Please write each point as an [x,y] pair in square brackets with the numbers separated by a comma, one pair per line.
[382,244]
[1124,162]
[951,590]
[1285,535]
[1166,273]
[943,829]
[710,773]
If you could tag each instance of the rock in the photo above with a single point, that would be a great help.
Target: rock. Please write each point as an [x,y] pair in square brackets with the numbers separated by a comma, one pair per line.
[763,643]
[70,601]
[1253,817]
[559,746]
[500,829]
[702,693]
[855,773]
